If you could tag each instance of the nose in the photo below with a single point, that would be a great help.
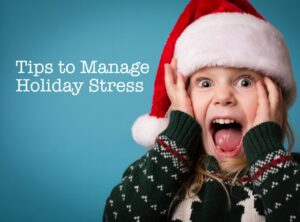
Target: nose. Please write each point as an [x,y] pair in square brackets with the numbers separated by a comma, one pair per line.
[224,96]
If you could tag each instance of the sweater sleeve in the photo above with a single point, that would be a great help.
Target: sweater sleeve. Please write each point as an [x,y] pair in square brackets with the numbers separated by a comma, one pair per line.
[275,174]
[149,184]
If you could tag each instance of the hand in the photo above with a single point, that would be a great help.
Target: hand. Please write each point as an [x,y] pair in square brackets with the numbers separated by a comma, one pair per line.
[269,102]
[175,86]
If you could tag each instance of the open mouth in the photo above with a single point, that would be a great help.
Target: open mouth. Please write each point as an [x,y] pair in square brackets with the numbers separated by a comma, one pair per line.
[227,136]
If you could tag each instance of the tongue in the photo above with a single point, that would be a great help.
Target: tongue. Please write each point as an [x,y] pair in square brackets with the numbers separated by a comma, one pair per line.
[228,139]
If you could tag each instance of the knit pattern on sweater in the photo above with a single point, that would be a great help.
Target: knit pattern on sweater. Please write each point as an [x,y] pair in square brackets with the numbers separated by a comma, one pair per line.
[270,191]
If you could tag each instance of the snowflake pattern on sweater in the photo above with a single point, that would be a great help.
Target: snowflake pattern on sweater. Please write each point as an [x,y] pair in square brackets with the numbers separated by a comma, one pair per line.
[269,192]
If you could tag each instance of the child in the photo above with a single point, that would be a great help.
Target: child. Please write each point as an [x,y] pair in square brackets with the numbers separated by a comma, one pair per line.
[217,125]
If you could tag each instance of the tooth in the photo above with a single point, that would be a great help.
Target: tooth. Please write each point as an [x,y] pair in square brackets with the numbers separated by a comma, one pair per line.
[227,121]
[231,121]
[221,121]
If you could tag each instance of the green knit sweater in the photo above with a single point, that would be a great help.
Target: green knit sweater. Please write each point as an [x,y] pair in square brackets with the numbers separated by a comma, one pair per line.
[270,190]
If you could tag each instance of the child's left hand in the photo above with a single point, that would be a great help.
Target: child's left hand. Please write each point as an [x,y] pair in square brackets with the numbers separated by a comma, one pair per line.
[269,102]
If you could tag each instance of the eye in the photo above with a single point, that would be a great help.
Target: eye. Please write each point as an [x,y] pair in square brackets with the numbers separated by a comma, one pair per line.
[245,81]
[204,83]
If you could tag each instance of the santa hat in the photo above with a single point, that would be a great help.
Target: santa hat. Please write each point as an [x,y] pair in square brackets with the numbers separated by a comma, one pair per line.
[229,33]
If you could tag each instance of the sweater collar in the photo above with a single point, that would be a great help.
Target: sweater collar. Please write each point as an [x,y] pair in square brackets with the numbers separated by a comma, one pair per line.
[212,165]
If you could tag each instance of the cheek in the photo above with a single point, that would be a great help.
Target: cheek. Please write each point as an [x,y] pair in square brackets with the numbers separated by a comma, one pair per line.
[200,105]
[250,106]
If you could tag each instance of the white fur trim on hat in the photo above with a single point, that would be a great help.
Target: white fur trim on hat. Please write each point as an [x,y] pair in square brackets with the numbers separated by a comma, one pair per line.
[146,128]
[236,40]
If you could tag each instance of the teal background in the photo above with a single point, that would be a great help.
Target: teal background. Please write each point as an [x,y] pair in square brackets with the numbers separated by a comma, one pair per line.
[60,155]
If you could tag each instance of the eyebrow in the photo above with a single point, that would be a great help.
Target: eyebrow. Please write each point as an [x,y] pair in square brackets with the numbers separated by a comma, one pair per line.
[202,75]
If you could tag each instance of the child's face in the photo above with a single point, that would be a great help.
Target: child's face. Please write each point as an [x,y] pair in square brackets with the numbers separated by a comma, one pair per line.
[224,94]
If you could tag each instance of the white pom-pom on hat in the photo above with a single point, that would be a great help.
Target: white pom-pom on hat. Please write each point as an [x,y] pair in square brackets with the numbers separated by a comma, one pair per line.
[146,128]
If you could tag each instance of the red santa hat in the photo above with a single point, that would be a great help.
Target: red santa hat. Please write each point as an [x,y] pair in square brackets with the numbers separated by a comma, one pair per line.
[229,33]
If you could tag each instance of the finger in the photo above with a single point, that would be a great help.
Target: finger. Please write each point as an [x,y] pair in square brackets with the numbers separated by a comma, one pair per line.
[169,80]
[281,106]
[174,69]
[280,92]
[180,82]
[174,64]
[273,92]
[280,95]
[263,102]
[276,102]
[281,98]
[282,109]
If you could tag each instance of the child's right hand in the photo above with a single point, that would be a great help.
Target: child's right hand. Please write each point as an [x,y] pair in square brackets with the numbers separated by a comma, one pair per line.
[175,86]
